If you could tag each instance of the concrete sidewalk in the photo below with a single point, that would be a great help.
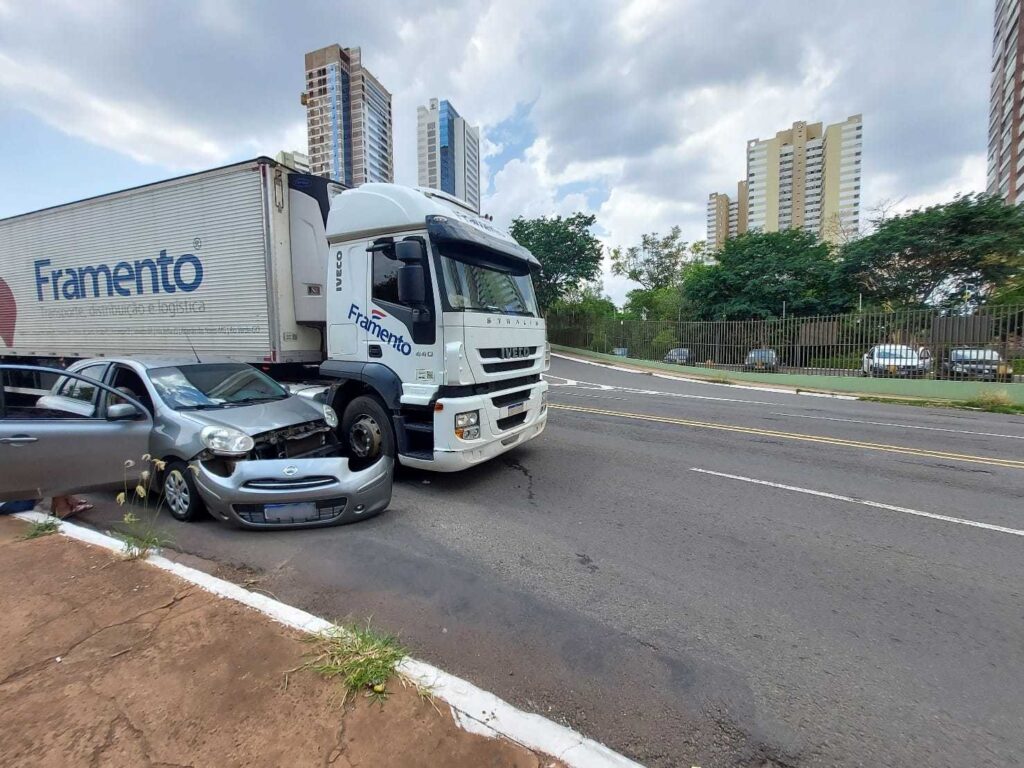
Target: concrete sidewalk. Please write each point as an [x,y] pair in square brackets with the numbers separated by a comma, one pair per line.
[116,663]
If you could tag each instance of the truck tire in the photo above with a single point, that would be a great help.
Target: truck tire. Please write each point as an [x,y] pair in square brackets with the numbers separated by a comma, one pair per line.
[367,431]
[180,493]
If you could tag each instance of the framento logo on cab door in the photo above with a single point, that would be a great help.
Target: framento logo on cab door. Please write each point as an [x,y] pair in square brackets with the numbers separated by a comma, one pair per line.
[371,324]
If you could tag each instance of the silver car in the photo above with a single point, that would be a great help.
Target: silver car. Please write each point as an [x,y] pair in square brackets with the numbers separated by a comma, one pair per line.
[235,442]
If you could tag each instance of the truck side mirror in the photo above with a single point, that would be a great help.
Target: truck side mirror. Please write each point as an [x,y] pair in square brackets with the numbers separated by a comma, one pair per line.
[412,284]
[412,288]
[409,251]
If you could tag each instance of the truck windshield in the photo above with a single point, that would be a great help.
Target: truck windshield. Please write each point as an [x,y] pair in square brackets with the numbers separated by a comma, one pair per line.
[476,281]
[214,385]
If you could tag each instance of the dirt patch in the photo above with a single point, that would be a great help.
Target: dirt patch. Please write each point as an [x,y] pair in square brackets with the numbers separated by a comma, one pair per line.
[115,663]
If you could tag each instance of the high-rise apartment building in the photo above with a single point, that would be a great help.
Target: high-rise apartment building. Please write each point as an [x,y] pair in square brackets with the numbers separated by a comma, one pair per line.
[805,177]
[348,118]
[1006,104]
[448,150]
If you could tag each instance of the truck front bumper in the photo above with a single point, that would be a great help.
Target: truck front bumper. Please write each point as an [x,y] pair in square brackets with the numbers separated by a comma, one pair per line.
[500,429]
[293,493]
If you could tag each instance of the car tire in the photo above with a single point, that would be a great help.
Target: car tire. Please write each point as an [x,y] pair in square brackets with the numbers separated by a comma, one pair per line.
[366,432]
[180,493]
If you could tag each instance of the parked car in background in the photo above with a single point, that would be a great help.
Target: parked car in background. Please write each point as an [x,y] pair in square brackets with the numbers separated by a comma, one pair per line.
[893,360]
[974,363]
[678,356]
[235,442]
[766,360]
[53,452]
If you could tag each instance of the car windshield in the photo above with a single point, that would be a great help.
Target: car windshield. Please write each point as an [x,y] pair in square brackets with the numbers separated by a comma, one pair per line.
[214,385]
[479,281]
[896,353]
[761,356]
[989,355]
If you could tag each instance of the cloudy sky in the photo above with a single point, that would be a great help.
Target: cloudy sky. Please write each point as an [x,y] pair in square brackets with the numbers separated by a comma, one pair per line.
[634,111]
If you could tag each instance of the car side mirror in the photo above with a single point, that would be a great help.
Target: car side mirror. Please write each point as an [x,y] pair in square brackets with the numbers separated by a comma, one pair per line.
[122,412]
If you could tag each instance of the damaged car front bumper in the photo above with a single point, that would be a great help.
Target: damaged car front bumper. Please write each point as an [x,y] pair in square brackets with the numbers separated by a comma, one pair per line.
[293,493]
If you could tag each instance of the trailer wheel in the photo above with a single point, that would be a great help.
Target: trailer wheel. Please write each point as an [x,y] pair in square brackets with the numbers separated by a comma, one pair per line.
[366,431]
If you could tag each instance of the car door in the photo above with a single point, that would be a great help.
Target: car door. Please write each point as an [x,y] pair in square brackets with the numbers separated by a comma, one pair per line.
[47,451]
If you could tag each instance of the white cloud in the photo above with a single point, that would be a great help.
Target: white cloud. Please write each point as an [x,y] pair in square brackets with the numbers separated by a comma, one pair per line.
[144,135]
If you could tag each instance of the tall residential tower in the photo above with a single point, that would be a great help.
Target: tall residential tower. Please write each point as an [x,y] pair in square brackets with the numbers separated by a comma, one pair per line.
[448,150]
[348,118]
[1005,123]
[806,177]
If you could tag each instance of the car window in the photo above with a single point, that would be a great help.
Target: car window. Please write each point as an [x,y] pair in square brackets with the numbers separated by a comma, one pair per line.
[76,389]
[130,383]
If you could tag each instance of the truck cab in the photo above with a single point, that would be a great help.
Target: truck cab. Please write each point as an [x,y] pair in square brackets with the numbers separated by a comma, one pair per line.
[434,340]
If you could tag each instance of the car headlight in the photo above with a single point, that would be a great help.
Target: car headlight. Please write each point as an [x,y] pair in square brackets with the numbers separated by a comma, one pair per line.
[467,419]
[226,441]
[330,417]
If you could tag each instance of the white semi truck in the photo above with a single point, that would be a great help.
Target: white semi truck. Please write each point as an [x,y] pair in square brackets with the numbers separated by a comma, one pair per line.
[417,315]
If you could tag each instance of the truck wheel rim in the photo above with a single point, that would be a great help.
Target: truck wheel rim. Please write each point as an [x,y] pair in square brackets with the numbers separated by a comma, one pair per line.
[176,491]
[365,437]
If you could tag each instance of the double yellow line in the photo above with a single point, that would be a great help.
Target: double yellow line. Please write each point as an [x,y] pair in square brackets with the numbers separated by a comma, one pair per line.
[988,460]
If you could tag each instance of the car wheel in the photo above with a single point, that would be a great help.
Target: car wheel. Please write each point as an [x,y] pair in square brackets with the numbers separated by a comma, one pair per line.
[180,493]
[366,431]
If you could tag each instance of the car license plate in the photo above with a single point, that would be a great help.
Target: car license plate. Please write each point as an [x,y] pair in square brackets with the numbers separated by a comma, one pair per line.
[892,369]
[283,513]
[760,365]
[516,408]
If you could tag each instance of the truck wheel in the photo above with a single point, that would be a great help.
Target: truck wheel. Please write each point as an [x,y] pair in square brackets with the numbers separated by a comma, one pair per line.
[366,431]
[180,493]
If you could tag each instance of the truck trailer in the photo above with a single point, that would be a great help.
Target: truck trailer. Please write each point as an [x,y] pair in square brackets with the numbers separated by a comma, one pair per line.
[411,315]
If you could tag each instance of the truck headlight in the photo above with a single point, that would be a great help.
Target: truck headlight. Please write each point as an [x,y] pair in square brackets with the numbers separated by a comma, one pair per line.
[467,425]
[467,419]
[547,354]
[544,399]
[226,441]
[330,417]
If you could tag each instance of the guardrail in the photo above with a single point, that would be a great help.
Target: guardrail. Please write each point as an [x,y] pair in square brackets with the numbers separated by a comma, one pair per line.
[988,344]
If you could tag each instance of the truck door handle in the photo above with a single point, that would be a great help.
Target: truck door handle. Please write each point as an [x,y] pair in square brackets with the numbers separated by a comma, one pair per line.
[376,351]
[18,440]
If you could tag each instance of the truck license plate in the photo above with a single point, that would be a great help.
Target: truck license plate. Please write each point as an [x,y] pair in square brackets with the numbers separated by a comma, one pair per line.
[283,513]
[516,408]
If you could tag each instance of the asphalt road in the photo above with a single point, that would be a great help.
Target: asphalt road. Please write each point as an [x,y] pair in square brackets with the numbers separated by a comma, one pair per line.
[605,575]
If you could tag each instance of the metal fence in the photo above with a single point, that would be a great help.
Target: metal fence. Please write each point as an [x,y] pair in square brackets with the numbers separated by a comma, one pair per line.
[833,345]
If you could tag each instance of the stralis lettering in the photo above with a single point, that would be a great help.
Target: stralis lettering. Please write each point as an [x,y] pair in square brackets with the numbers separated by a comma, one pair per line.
[371,325]
[164,274]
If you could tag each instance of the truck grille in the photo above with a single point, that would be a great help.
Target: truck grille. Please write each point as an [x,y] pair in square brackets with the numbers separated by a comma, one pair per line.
[511,421]
[510,365]
[511,397]
[507,353]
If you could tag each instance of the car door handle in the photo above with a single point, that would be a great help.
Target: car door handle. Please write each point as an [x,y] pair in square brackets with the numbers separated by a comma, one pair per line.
[17,440]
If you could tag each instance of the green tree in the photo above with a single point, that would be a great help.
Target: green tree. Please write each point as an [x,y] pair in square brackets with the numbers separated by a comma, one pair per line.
[656,263]
[756,272]
[959,254]
[587,300]
[567,251]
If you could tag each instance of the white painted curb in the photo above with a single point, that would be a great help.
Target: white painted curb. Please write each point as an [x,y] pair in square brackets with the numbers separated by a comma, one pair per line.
[474,709]
[679,377]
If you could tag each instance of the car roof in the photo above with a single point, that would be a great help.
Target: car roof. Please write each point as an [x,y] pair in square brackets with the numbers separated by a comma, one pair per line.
[149,362]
